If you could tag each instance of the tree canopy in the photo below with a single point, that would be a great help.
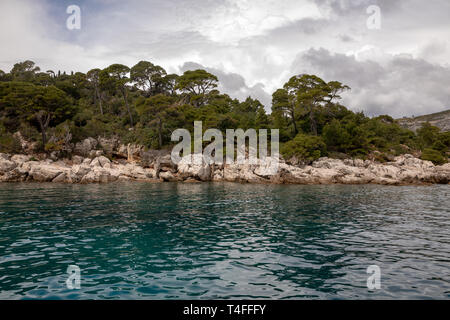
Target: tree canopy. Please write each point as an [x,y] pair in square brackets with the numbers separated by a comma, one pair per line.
[148,77]
[143,104]
[197,84]
[34,102]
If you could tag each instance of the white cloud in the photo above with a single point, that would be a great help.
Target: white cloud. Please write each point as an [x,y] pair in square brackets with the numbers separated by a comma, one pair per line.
[255,41]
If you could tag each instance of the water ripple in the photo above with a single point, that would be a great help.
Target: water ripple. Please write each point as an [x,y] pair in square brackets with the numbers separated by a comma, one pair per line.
[223,241]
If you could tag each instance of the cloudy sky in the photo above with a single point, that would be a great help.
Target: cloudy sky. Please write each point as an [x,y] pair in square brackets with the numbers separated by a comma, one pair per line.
[254,46]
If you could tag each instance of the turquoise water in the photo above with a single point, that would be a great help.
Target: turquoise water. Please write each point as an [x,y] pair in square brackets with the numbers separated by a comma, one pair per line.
[223,241]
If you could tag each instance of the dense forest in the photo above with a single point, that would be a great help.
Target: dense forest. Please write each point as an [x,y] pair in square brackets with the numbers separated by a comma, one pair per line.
[144,104]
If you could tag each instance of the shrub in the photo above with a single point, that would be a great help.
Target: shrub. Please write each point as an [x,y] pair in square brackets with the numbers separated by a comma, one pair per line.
[358,153]
[304,147]
[444,137]
[29,133]
[336,136]
[8,142]
[434,156]
[60,137]
[348,137]
[142,135]
[428,134]
[52,146]
[439,146]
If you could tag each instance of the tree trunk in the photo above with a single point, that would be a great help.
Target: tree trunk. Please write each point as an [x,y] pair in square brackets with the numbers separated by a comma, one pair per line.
[160,133]
[99,100]
[44,137]
[43,124]
[294,123]
[100,103]
[126,104]
[312,122]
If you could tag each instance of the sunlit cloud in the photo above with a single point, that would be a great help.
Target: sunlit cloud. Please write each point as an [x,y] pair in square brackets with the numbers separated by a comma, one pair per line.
[262,42]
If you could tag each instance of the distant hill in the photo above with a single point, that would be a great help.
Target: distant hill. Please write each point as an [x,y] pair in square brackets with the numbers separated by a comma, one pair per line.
[440,120]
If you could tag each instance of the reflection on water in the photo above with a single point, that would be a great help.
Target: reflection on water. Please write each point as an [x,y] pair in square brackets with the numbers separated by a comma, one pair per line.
[220,240]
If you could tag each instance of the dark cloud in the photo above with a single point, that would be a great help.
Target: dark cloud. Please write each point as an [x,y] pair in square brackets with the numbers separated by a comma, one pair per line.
[345,38]
[339,67]
[401,86]
[233,84]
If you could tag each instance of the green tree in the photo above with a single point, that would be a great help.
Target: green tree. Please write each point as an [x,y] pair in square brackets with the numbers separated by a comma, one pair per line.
[13,97]
[347,135]
[197,84]
[42,104]
[166,84]
[93,77]
[147,76]
[336,136]
[43,79]
[312,93]
[249,113]
[303,96]
[158,111]
[428,134]
[48,104]
[335,88]
[116,76]
[24,71]
[284,105]
[74,84]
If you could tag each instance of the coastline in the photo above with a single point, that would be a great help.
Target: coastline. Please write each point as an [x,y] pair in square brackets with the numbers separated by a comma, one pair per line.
[403,170]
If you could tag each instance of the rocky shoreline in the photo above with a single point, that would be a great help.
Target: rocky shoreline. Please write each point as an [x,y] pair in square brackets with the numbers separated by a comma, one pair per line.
[404,170]
[107,160]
